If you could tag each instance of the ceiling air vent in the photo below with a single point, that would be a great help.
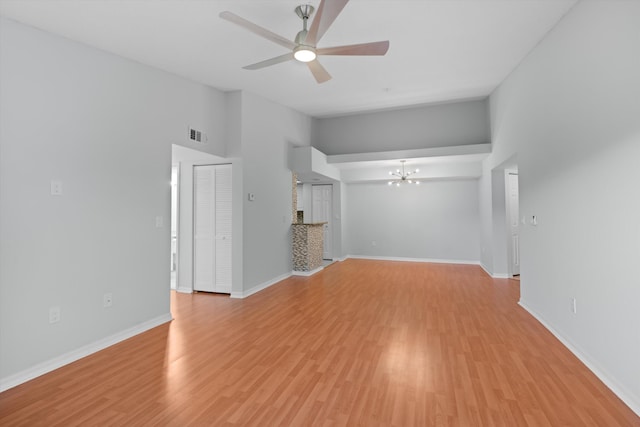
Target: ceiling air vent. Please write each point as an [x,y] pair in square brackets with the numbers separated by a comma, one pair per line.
[197,136]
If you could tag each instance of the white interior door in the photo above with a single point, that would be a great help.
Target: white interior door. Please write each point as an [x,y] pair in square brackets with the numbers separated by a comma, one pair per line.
[223,229]
[514,222]
[212,228]
[322,211]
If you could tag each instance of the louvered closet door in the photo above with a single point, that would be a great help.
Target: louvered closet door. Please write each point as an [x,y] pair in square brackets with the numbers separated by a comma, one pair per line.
[212,228]
[223,229]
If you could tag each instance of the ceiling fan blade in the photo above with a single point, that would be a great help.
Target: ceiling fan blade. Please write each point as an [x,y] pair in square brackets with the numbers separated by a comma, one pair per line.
[373,48]
[269,62]
[318,71]
[327,12]
[256,29]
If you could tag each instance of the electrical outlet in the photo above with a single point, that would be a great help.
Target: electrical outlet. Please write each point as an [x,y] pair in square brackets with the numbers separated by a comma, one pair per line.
[107,300]
[54,314]
[574,306]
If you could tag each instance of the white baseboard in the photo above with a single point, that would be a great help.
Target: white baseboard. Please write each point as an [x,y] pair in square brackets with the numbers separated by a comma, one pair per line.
[629,398]
[184,290]
[496,275]
[260,287]
[58,362]
[433,260]
[306,273]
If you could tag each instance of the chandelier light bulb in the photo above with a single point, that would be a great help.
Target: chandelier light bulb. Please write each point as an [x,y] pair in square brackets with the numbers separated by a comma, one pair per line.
[403,176]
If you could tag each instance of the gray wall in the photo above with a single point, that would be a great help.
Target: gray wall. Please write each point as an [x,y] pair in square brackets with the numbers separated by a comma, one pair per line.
[570,113]
[267,132]
[441,125]
[434,220]
[104,127]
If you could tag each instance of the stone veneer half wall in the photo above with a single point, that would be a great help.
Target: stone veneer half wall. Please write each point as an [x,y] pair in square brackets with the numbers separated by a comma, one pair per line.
[307,246]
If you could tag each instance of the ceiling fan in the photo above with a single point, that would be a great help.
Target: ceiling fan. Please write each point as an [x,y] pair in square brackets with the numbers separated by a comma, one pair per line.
[304,47]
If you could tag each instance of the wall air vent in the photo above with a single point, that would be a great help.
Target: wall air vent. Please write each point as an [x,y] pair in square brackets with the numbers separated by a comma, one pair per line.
[197,136]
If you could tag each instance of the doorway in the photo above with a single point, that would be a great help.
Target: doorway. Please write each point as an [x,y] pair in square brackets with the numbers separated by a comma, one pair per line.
[322,211]
[513,215]
[185,159]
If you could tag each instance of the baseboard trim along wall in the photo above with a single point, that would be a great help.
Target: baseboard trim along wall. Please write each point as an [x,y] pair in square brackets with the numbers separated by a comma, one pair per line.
[433,260]
[495,276]
[184,290]
[306,273]
[632,401]
[260,287]
[84,351]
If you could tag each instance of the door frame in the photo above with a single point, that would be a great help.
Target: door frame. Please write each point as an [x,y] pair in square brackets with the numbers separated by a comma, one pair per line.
[510,249]
[177,220]
[329,221]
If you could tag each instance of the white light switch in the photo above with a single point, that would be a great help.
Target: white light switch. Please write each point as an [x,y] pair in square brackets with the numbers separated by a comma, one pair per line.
[54,314]
[56,188]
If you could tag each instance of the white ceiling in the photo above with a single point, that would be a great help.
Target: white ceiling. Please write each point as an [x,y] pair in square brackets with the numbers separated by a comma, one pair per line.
[439,50]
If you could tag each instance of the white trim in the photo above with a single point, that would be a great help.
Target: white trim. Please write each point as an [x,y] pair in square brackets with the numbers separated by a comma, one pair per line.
[486,270]
[306,273]
[260,287]
[60,361]
[628,397]
[184,290]
[433,260]
[495,276]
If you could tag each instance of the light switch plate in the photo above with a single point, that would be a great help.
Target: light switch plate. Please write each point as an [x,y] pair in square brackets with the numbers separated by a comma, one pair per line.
[56,188]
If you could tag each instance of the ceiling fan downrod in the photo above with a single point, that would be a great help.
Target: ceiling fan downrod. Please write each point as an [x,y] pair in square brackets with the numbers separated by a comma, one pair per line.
[304,11]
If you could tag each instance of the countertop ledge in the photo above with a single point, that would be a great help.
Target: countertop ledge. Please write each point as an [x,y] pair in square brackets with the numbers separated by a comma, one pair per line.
[309,223]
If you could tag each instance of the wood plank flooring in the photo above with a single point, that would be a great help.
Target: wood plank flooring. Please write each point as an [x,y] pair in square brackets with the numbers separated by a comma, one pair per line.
[363,342]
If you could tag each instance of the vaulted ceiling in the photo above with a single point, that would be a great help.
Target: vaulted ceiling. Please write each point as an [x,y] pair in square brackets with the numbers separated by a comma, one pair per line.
[443,50]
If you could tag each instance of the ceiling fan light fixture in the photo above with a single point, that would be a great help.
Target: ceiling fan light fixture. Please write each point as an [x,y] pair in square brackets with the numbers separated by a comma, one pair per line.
[304,53]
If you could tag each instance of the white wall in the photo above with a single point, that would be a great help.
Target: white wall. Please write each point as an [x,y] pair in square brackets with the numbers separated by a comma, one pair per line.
[268,130]
[570,112]
[436,220]
[441,125]
[103,126]
[499,230]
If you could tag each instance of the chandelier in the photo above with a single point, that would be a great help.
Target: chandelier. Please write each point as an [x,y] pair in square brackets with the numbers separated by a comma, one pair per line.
[402,177]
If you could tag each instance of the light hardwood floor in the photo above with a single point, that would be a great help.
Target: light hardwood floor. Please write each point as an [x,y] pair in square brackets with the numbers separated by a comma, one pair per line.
[363,342]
